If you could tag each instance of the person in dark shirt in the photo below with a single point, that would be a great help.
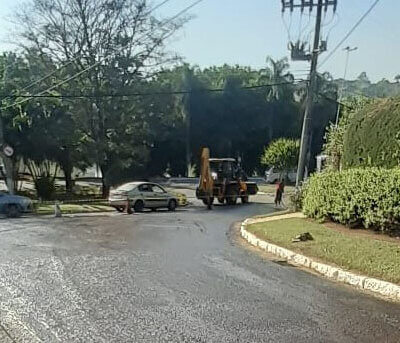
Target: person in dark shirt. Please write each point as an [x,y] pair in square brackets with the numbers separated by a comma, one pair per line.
[280,188]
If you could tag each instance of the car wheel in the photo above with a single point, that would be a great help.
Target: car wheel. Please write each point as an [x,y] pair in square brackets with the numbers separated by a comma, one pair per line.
[153,209]
[172,205]
[139,206]
[13,211]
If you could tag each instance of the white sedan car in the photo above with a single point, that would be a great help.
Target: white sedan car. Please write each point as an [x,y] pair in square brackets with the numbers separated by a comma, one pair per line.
[273,175]
[142,195]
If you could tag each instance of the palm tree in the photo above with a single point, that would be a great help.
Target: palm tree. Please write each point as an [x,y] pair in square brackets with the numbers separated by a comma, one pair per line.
[278,73]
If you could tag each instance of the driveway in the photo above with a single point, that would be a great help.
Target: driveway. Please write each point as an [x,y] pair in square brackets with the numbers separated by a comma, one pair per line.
[169,277]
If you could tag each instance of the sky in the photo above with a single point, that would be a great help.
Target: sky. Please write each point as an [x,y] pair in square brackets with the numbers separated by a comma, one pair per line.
[246,31]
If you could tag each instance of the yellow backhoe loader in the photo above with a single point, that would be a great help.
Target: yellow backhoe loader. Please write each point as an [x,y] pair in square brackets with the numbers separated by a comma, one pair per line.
[224,179]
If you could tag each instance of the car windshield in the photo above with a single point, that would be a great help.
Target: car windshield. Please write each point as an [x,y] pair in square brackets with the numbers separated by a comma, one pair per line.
[158,189]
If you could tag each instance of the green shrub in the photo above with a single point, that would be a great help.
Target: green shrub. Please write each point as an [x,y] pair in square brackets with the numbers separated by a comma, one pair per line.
[334,136]
[372,137]
[296,199]
[45,188]
[368,197]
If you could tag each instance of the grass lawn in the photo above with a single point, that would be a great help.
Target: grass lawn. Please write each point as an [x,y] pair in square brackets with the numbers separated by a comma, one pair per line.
[75,208]
[365,255]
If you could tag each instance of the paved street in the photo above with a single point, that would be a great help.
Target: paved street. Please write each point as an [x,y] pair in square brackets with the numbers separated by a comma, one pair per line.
[169,277]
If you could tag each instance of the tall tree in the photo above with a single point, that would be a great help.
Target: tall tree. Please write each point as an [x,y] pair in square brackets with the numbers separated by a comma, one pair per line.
[281,154]
[114,44]
[278,72]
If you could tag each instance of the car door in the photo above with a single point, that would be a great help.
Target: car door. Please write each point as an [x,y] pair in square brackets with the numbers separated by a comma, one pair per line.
[146,194]
[160,196]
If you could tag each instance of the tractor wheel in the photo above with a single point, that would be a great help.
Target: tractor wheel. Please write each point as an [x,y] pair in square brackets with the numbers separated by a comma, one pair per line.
[231,196]
[208,200]
[245,199]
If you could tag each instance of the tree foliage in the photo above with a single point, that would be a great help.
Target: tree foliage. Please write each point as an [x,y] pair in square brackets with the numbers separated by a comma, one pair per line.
[146,133]
[362,86]
[334,137]
[372,137]
[281,154]
[114,46]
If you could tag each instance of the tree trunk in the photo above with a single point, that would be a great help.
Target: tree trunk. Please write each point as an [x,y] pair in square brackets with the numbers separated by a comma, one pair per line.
[105,187]
[9,170]
[67,170]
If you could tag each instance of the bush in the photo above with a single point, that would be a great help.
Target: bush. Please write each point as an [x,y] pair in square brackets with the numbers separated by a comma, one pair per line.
[368,197]
[372,137]
[296,199]
[45,188]
[334,136]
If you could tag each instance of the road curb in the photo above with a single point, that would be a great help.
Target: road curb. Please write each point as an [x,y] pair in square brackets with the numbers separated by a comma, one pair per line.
[387,289]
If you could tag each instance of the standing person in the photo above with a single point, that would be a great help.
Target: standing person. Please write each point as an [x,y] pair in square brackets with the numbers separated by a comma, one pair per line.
[280,188]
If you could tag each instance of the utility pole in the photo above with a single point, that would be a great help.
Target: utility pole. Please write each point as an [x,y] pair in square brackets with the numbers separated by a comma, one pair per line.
[186,109]
[317,49]
[305,134]
[348,50]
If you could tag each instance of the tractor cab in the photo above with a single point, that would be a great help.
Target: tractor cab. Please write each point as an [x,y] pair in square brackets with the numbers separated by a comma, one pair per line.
[226,169]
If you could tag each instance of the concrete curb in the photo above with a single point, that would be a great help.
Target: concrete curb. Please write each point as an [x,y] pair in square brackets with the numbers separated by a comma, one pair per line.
[380,287]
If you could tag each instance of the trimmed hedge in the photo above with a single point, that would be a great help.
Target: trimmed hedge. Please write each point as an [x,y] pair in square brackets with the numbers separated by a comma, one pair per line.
[368,197]
[372,138]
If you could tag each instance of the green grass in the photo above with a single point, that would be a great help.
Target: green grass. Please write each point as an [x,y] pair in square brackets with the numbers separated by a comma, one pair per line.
[365,255]
[74,208]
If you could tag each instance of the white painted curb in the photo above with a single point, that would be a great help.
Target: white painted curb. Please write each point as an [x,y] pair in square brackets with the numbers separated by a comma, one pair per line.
[384,288]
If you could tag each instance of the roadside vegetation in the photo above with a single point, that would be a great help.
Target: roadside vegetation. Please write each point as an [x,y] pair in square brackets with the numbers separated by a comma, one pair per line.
[365,254]
[358,189]
[361,183]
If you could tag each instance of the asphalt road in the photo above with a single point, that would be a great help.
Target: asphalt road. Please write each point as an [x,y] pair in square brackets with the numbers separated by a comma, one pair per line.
[169,277]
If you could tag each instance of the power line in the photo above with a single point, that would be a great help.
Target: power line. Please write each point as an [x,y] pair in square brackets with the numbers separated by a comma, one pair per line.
[350,32]
[34,83]
[98,62]
[118,95]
